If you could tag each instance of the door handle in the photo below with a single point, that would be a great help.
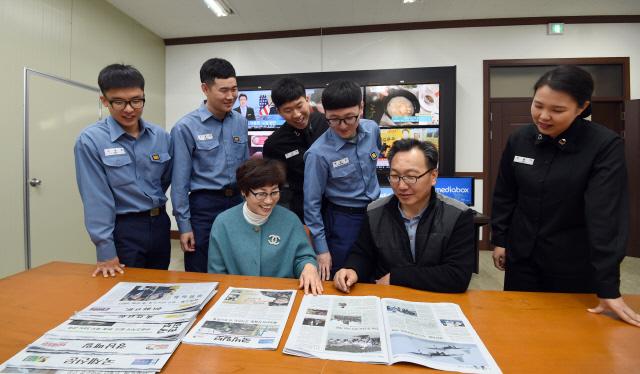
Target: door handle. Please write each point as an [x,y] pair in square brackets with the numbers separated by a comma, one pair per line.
[35,182]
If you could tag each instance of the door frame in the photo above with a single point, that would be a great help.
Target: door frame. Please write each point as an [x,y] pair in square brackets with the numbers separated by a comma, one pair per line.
[486,120]
[28,73]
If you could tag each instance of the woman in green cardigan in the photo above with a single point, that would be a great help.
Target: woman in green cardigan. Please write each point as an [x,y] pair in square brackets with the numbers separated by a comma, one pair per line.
[259,237]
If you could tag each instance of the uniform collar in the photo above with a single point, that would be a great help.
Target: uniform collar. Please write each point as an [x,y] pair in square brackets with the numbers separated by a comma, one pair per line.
[568,141]
[116,131]
[339,142]
[205,114]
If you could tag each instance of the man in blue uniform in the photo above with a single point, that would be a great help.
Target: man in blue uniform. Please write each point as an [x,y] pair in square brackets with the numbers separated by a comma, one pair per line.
[340,176]
[123,168]
[209,145]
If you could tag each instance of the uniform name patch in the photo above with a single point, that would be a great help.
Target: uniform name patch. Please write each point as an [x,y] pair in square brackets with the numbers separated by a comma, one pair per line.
[114,151]
[523,160]
[338,163]
[205,136]
[295,152]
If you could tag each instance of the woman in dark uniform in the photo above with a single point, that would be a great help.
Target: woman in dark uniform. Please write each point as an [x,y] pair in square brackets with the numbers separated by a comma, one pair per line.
[560,206]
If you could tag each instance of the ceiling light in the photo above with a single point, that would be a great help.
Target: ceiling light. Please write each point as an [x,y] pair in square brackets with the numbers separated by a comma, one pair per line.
[218,7]
[408,1]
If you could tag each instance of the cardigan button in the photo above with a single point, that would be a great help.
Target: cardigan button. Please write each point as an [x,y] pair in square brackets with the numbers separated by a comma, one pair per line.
[256,228]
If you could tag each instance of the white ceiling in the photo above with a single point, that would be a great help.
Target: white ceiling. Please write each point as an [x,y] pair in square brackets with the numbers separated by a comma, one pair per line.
[185,18]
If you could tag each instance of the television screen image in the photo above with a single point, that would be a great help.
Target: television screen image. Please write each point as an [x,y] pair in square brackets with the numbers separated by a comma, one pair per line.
[260,112]
[256,142]
[314,95]
[403,105]
[459,188]
[389,136]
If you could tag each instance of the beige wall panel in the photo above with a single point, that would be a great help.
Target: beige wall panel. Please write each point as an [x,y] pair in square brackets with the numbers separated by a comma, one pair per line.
[73,39]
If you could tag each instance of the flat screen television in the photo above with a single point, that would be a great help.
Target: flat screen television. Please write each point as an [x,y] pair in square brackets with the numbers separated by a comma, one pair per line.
[403,105]
[256,142]
[459,188]
[389,135]
[265,116]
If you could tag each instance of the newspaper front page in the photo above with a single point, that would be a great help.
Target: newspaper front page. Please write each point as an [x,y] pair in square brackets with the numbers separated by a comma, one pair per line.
[348,328]
[126,347]
[101,363]
[437,335]
[245,318]
[153,298]
[103,330]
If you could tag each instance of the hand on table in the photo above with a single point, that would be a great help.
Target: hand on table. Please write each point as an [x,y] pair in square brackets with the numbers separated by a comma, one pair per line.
[109,267]
[385,281]
[344,279]
[310,280]
[620,308]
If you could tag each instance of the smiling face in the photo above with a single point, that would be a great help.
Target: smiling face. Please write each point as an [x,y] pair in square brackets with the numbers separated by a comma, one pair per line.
[221,95]
[296,112]
[553,111]
[265,206]
[127,117]
[348,119]
[412,163]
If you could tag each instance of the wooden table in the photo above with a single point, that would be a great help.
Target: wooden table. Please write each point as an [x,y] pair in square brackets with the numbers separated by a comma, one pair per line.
[525,332]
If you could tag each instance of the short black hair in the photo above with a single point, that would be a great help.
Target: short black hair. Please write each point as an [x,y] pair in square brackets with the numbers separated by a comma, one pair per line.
[405,145]
[341,94]
[286,90]
[242,95]
[572,80]
[260,172]
[119,76]
[216,68]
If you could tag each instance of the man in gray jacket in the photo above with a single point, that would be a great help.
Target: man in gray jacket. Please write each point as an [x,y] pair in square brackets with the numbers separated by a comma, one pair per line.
[415,238]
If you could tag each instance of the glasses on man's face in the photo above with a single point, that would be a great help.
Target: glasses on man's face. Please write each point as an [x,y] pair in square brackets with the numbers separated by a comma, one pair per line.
[349,121]
[119,104]
[263,195]
[408,179]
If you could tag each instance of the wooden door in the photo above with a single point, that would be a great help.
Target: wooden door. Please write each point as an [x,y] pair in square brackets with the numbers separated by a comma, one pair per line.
[632,149]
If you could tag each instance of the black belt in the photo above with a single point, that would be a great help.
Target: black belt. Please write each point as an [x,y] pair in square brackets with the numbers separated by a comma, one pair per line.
[347,209]
[146,213]
[226,192]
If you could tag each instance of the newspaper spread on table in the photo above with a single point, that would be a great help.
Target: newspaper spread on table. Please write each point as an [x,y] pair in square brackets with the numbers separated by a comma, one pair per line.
[339,328]
[245,318]
[134,328]
[369,329]
[153,298]
[437,335]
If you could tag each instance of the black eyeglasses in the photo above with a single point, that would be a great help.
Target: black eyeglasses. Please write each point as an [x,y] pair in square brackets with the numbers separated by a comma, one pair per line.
[263,195]
[349,121]
[408,179]
[119,104]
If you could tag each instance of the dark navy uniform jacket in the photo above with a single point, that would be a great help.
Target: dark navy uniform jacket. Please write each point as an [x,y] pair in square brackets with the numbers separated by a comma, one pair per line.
[565,200]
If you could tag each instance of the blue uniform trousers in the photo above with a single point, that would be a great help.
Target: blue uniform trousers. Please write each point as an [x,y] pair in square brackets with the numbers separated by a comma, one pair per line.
[341,227]
[143,240]
[205,205]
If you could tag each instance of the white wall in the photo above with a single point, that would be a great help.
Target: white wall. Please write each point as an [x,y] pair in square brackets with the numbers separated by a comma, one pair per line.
[73,39]
[464,47]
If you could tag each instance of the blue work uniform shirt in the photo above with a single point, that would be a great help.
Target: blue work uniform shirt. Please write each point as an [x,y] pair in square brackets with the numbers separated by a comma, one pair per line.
[207,152]
[411,224]
[342,172]
[119,174]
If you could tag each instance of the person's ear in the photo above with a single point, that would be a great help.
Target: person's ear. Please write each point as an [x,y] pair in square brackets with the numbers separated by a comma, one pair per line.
[434,177]
[205,88]
[104,101]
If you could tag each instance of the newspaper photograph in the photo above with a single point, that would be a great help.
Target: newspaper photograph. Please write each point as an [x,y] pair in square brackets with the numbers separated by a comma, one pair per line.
[153,298]
[91,329]
[348,328]
[436,335]
[129,347]
[101,363]
[245,318]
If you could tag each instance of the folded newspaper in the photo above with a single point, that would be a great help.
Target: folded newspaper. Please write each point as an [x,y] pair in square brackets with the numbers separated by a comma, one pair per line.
[387,331]
[133,328]
[245,318]
[153,298]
